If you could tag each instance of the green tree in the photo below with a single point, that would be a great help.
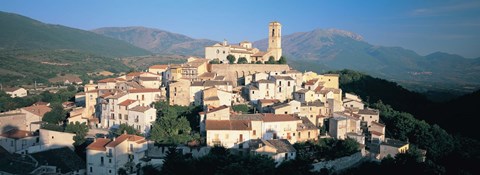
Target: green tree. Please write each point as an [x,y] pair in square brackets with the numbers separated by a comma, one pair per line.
[71,88]
[271,60]
[258,62]
[240,108]
[231,59]
[52,127]
[242,60]
[126,128]
[176,164]
[170,129]
[56,116]
[282,60]
[79,129]
[215,61]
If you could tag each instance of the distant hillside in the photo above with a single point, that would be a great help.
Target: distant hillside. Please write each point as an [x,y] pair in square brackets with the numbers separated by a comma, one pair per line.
[157,41]
[23,33]
[449,115]
[338,49]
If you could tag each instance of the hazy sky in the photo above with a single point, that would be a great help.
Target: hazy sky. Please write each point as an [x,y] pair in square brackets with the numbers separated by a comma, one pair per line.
[451,26]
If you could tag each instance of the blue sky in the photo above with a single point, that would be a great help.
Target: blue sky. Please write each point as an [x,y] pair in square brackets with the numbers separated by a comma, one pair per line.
[451,26]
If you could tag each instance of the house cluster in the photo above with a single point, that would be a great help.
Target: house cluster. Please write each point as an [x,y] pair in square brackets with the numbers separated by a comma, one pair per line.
[286,107]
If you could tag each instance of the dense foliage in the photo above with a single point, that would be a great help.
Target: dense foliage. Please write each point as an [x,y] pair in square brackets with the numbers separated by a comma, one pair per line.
[326,149]
[56,116]
[282,60]
[271,60]
[231,59]
[125,128]
[242,60]
[79,129]
[173,125]
[218,162]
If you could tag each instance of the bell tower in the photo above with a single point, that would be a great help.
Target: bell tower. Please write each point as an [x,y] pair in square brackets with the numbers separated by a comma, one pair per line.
[275,40]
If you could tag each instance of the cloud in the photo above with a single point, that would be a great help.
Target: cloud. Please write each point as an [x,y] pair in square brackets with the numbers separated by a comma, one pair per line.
[446,9]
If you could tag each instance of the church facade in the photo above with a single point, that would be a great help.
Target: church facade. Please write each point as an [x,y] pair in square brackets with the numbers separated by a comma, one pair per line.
[245,49]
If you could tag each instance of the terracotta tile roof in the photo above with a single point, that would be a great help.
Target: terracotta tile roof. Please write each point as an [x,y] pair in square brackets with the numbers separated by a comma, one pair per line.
[140,108]
[159,66]
[149,78]
[316,103]
[127,102]
[259,54]
[269,117]
[265,81]
[305,125]
[11,89]
[279,77]
[207,75]
[302,91]
[269,101]
[99,144]
[376,133]
[379,124]
[111,80]
[281,145]
[17,134]
[41,103]
[124,137]
[38,110]
[216,109]
[228,125]
[134,74]
[250,117]
[146,90]
[311,82]
[216,83]
[368,112]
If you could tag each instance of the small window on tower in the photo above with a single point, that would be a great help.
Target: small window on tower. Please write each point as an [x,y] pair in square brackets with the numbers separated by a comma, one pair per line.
[273,32]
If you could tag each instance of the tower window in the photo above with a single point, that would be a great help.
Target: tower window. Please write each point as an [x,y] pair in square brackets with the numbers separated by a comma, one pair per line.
[273,32]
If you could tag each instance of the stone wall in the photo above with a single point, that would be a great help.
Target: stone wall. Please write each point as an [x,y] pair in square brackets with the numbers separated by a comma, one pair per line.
[234,71]
[340,163]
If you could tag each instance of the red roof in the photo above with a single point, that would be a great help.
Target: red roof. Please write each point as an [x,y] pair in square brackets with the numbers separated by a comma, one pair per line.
[269,100]
[111,80]
[17,134]
[228,125]
[379,124]
[269,117]
[311,82]
[99,144]
[146,90]
[39,110]
[127,102]
[123,137]
[376,133]
[159,66]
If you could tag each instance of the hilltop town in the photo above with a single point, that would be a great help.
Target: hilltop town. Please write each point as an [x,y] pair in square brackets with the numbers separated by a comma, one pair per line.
[249,101]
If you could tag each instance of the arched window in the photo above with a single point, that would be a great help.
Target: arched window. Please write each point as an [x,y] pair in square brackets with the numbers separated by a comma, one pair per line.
[273,32]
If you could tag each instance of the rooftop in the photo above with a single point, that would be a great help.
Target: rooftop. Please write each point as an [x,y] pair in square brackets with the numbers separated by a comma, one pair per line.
[269,117]
[127,102]
[394,143]
[140,108]
[368,112]
[146,90]
[305,125]
[228,125]
[17,134]
[159,66]
[38,110]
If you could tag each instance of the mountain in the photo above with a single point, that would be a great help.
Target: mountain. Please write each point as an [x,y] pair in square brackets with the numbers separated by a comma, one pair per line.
[157,41]
[23,33]
[338,49]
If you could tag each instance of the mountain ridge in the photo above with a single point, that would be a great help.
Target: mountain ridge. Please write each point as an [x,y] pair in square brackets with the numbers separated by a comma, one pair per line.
[21,32]
[157,40]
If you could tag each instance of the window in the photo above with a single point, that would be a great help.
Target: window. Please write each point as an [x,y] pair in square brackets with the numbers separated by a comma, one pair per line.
[109,160]
[273,32]
[288,83]
[120,116]
[279,83]
[218,51]
[101,161]
[309,134]
[253,92]
[143,97]
[279,89]
[91,169]
[286,112]
[109,171]
[110,154]
[254,132]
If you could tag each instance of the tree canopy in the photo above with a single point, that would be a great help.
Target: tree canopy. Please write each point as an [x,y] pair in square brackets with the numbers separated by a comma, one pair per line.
[282,60]
[56,115]
[271,60]
[126,128]
[242,60]
[79,129]
[231,59]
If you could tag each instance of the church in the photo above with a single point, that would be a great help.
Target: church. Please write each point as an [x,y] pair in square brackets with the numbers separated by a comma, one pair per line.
[244,49]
